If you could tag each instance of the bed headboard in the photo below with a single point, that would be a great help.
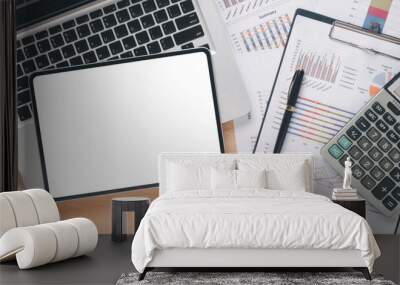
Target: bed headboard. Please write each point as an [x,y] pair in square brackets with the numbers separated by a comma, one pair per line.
[166,158]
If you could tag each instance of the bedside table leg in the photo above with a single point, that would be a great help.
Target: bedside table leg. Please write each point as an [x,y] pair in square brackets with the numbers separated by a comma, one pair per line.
[364,271]
[116,234]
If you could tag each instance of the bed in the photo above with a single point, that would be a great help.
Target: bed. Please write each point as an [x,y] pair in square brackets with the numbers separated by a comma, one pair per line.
[247,210]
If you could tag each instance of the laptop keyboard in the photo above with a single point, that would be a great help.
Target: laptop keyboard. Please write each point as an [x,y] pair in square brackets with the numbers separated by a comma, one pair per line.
[124,29]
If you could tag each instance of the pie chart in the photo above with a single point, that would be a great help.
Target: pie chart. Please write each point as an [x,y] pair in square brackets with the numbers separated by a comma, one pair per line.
[378,82]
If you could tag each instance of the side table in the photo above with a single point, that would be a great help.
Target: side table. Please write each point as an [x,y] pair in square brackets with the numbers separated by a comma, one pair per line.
[356,205]
[138,205]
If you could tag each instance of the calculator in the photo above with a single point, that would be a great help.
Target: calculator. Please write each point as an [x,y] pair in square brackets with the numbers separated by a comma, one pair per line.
[372,141]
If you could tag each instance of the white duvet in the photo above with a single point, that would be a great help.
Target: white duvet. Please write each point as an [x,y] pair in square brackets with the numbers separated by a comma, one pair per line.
[250,219]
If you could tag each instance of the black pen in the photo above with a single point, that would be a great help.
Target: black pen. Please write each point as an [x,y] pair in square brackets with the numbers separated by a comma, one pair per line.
[294,91]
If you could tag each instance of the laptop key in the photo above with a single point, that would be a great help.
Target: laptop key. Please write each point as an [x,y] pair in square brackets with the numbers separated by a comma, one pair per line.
[96,14]
[30,51]
[55,56]
[162,3]
[81,46]
[19,70]
[161,16]
[68,24]
[187,21]
[167,43]
[107,36]
[57,41]
[20,55]
[44,46]
[77,60]
[140,51]
[94,41]
[28,40]
[134,26]
[89,57]
[22,83]
[109,9]
[82,19]
[122,16]
[392,136]
[155,32]
[62,64]
[83,31]
[42,61]
[102,53]
[389,203]
[142,38]
[127,54]
[154,48]
[109,21]
[55,29]
[169,27]
[188,35]
[174,11]
[41,35]
[70,36]
[96,26]
[149,6]
[136,11]
[187,6]
[147,21]
[129,42]
[23,98]
[121,31]
[24,113]
[28,66]
[116,47]
[123,3]
[68,51]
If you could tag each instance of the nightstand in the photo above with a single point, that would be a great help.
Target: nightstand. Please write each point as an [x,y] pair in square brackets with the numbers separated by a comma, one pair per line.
[357,205]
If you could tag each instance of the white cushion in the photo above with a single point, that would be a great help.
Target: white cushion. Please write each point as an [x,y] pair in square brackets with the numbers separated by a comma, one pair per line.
[45,205]
[223,179]
[278,172]
[23,208]
[251,178]
[7,218]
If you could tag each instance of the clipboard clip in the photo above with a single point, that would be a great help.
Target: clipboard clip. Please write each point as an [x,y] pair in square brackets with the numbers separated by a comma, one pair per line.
[369,41]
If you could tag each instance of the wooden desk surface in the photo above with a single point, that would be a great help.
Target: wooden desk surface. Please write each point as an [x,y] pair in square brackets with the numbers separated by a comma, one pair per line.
[98,208]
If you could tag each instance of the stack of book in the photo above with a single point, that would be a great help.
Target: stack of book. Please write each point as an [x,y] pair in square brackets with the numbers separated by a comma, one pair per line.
[344,194]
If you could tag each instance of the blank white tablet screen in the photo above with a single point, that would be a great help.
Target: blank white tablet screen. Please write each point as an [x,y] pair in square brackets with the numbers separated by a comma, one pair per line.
[102,128]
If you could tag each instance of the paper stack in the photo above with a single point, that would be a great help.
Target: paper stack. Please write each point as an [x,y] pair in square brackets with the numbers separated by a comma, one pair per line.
[344,194]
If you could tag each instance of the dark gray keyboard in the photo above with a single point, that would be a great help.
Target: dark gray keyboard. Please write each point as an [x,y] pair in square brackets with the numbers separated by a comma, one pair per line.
[372,141]
[124,29]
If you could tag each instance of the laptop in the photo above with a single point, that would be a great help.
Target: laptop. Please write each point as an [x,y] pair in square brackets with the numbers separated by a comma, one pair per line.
[55,34]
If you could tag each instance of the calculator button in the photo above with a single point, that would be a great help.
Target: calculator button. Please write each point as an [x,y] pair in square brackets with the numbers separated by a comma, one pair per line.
[363,124]
[393,108]
[375,154]
[383,188]
[384,145]
[335,151]
[397,128]
[367,182]
[371,115]
[366,162]
[353,133]
[392,136]
[357,171]
[396,193]
[389,119]
[389,203]
[382,126]
[394,155]
[395,174]
[386,164]
[344,142]
[378,108]
[364,143]
[377,173]
[355,152]
[374,134]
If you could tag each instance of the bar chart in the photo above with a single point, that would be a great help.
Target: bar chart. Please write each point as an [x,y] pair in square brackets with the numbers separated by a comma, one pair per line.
[267,35]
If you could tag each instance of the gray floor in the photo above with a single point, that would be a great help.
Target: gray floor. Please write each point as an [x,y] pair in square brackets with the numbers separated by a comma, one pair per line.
[103,266]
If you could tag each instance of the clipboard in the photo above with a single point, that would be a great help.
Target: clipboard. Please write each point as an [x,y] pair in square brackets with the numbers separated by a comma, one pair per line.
[340,32]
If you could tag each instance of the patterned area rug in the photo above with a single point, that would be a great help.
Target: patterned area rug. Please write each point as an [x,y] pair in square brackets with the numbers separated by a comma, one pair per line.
[269,278]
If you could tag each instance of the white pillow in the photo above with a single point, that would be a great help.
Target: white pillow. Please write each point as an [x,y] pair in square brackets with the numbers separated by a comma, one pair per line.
[223,179]
[251,178]
[187,177]
[282,174]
